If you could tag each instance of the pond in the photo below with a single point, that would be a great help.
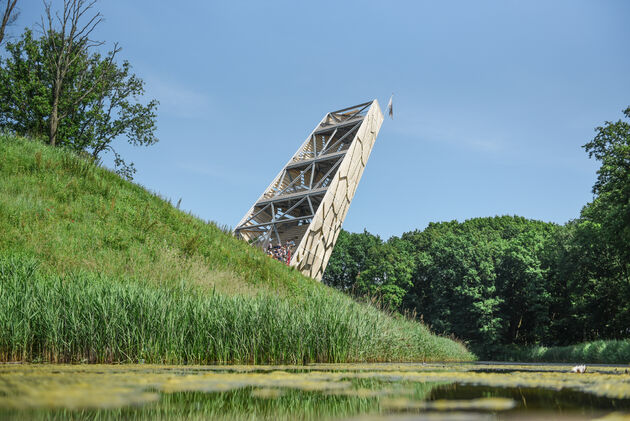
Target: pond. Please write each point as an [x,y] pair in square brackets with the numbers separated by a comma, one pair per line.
[313,392]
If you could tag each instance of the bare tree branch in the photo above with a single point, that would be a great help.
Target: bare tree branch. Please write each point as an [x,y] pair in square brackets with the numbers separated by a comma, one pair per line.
[94,84]
[67,44]
[9,16]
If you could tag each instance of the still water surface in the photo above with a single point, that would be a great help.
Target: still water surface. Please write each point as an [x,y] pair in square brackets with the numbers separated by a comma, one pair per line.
[314,392]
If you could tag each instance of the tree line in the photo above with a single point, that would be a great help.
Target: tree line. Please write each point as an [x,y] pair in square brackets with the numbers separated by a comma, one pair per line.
[60,85]
[506,280]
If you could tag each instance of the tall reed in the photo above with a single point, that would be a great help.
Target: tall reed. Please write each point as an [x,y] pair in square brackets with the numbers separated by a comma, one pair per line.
[85,317]
[595,352]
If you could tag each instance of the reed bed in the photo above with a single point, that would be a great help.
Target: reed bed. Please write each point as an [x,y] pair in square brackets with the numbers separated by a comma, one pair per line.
[595,352]
[86,317]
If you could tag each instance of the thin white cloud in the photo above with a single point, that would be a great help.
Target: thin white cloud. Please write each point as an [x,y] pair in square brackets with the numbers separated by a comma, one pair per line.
[227,175]
[518,144]
[178,99]
[446,132]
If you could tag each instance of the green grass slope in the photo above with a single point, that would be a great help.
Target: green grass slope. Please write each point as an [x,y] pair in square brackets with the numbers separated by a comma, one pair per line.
[95,268]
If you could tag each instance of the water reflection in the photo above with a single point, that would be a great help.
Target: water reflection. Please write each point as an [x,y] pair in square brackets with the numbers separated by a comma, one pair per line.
[528,398]
[367,391]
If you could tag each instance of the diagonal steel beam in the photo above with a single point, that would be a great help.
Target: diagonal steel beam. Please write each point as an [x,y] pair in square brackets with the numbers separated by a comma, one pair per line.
[356,126]
[328,173]
[332,136]
[256,214]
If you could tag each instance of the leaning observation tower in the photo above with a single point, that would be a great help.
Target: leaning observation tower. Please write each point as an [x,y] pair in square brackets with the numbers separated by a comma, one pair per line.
[304,206]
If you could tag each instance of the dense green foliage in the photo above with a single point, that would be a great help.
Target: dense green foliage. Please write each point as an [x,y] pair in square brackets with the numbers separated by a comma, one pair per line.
[590,266]
[510,280]
[483,279]
[95,268]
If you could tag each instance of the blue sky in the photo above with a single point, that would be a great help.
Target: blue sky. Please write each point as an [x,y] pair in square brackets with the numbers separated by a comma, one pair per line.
[493,99]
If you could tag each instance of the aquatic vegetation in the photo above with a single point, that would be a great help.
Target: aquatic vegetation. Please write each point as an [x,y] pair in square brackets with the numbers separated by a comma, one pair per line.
[485,404]
[289,392]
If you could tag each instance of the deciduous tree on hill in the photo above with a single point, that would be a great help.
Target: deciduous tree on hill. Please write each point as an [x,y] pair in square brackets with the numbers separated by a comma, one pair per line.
[60,87]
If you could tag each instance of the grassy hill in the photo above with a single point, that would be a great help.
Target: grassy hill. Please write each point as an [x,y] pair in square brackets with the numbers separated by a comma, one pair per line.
[95,268]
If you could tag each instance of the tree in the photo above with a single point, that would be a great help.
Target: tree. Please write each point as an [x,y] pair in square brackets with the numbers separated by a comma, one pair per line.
[349,258]
[63,48]
[463,297]
[8,16]
[521,282]
[24,94]
[603,236]
[57,88]
[611,206]
[483,280]
[387,274]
